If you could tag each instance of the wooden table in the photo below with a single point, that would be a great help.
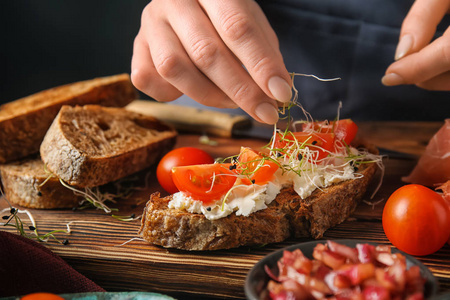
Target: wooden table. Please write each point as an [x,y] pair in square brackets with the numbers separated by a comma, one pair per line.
[96,244]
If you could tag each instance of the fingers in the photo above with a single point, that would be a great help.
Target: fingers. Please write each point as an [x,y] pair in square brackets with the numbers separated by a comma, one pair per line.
[418,61]
[217,62]
[220,53]
[438,83]
[419,26]
[174,65]
[145,77]
[245,30]
[162,70]
[427,68]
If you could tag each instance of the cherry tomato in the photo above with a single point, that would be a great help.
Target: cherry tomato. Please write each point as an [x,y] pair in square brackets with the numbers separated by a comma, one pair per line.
[204,182]
[320,142]
[416,220]
[41,296]
[258,169]
[179,157]
[344,130]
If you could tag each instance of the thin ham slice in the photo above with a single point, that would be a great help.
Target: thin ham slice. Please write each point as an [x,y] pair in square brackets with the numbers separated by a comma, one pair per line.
[433,167]
[445,191]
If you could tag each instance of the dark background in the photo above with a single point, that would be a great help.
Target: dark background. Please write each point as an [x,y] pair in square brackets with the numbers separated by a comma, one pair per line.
[52,42]
[48,43]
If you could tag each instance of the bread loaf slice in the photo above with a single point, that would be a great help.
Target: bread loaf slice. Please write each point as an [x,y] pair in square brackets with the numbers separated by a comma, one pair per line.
[288,215]
[26,183]
[24,122]
[92,145]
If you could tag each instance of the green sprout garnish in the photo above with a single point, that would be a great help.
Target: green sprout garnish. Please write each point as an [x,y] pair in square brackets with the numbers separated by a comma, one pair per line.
[13,220]
[131,217]
[92,196]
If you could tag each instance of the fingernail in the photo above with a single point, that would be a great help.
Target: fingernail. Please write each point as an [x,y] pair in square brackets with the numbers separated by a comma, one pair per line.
[280,89]
[404,46]
[392,79]
[267,113]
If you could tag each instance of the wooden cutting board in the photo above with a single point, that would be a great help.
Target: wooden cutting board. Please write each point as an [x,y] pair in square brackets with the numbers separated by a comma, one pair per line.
[103,248]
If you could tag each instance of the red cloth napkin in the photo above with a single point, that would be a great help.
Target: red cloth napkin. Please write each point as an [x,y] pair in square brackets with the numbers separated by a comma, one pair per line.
[28,267]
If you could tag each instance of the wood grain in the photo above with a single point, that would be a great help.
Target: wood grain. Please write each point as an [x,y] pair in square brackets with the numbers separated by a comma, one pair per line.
[101,247]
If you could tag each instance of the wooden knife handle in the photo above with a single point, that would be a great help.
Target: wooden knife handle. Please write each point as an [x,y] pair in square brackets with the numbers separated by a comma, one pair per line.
[191,119]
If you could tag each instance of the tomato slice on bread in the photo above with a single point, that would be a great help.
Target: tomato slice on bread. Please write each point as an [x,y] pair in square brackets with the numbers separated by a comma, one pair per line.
[345,130]
[320,143]
[207,183]
[257,168]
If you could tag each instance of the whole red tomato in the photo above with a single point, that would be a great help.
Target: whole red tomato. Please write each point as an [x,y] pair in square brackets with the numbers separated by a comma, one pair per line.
[416,220]
[184,156]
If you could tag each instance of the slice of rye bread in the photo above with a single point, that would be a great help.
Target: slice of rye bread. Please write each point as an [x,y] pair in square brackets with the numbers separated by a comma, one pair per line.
[91,145]
[288,215]
[26,183]
[24,122]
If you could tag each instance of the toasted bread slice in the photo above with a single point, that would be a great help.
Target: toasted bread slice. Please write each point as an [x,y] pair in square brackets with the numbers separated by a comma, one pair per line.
[26,183]
[288,215]
[174,228]
[24,122]
[92,145]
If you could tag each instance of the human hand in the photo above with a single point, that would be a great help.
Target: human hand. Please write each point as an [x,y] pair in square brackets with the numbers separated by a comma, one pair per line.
[418,60]
[199,48]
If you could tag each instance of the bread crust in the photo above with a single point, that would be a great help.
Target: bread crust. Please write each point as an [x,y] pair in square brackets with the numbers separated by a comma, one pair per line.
[92,145]
[26,183]
[24,122]
[288,215]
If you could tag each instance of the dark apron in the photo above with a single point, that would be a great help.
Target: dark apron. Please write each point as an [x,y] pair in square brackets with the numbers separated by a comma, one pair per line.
[354,40]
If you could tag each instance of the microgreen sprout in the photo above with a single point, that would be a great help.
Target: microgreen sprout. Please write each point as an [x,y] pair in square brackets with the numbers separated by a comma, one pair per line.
[129,241]
[212,183]
[14,220]
[131,217]
[224,200]
[92,196]
[313,157]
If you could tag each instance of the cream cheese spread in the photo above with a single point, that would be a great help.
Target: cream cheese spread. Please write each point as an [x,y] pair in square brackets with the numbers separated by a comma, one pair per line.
[243,199]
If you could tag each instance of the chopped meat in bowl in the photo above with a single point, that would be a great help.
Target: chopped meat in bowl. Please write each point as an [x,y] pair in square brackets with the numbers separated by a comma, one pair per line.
[342,269]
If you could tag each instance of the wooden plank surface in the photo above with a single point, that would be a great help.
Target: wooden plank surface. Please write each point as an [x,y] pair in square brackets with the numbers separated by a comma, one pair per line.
[96,243]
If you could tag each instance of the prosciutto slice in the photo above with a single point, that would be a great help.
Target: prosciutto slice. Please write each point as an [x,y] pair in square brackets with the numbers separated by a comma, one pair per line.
[433,167]
[445,191]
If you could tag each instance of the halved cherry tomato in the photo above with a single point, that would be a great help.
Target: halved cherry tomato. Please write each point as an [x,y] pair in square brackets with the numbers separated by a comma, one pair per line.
[344,130]
[184,156]
[206,182]
[322,143]
[258,169]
